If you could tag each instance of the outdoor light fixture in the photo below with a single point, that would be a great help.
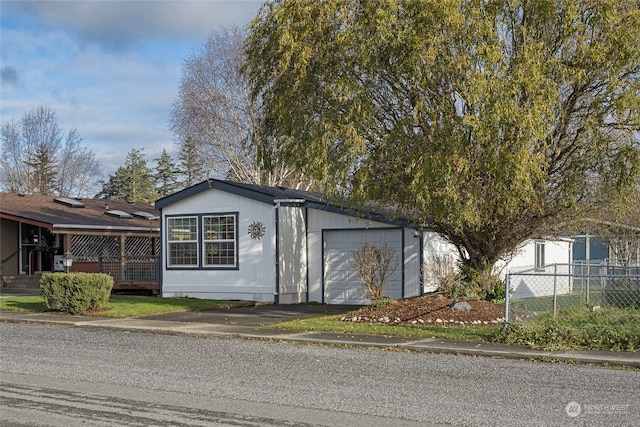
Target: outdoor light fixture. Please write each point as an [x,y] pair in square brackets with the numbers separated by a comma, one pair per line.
[67,261]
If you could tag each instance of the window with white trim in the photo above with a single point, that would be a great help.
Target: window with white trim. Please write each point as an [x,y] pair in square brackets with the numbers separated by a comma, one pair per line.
[219,240]
[539,261]
[182,241]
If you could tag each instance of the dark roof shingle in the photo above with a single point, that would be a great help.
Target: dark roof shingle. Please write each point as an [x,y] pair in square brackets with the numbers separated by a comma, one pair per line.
[46,211]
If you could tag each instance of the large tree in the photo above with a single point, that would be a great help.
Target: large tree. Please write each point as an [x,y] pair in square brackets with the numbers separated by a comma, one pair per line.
[37,158]
[190,165]
[215,114]
[133,182]
[488,121]
[166,175]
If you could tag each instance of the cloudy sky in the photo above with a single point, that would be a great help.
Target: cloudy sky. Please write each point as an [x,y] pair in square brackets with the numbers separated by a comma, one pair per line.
[109,69]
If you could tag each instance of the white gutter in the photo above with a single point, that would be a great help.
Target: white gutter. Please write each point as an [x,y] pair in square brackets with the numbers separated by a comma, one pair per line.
[102,227]
[278,201]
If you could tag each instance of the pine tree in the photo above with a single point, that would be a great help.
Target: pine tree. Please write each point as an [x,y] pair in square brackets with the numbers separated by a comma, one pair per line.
[190,165]
[166,175]
[133,182]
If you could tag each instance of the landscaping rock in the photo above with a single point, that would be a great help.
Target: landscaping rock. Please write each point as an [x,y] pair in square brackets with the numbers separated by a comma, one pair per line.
[460,306]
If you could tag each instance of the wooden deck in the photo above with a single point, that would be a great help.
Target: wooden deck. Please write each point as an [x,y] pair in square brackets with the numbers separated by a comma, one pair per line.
[124,286]
[136,287]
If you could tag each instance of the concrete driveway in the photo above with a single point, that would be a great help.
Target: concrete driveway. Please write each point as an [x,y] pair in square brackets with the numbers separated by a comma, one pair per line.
[260,315]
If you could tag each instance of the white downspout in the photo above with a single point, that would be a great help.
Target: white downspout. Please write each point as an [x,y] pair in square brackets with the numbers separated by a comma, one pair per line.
[278,202]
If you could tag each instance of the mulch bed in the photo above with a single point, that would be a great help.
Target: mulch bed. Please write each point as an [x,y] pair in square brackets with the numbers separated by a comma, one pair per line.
[429,309]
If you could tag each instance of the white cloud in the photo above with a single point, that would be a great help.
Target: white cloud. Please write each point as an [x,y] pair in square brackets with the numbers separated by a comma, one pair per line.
[119,24]
[109,69]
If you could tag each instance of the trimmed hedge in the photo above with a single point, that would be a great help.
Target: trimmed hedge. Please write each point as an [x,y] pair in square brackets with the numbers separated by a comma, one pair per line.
[75,293]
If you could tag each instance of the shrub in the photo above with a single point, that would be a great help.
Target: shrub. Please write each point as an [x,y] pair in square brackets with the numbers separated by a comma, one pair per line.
[465,290]
[383,302]
[375,266]
[75,293]
[450,281]
[497,292]
[607,329]
[623,293]
[441,271]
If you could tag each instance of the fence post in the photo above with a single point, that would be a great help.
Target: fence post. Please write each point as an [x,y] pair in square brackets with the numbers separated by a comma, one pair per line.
[100,270]
[123,268]
[588,279]
[555,289]
[603,279]
[507,292]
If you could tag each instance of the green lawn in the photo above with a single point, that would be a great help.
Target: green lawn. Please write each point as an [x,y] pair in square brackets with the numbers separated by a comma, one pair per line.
[607,329]
[120,306]
[334,324]
[616,296]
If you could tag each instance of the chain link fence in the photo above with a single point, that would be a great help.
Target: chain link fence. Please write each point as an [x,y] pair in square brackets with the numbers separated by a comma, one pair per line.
[533,291]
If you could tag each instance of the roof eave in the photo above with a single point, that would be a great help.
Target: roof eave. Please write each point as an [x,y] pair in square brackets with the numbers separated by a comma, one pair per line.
[213,184]
[105,228]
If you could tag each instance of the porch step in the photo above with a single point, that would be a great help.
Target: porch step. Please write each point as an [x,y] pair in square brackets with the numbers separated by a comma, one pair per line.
[21,282]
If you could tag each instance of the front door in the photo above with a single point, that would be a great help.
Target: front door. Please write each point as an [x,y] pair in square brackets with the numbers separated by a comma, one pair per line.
[37,249]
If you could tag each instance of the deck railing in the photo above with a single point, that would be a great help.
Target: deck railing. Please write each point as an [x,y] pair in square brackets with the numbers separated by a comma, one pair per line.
[132,272]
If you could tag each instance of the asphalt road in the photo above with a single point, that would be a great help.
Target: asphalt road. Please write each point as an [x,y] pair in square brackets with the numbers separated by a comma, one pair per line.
[33,401]
[72,376]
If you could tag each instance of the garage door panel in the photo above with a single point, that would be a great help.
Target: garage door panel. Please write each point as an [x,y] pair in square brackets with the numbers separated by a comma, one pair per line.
[342,259]
[341,280]
[359,238]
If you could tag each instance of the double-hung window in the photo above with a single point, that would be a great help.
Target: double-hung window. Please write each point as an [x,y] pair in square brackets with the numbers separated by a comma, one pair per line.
[182,241]
[219,240]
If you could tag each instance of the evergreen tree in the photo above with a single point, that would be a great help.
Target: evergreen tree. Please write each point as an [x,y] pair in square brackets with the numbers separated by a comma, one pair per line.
[133,182]
[190,164]
[166,175]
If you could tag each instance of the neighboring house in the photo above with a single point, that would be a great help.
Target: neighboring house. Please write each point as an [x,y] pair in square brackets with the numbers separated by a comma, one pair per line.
[589,248]
[541,253]
[115,237]
[540,267]
[228,240]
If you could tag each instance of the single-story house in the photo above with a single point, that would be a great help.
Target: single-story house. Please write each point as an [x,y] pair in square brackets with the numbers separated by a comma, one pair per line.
[111,236]
[623,247]
[588,248]
[230,240]
[541,267]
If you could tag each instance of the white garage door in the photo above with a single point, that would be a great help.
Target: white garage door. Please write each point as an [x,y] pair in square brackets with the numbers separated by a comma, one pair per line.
[341,281]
